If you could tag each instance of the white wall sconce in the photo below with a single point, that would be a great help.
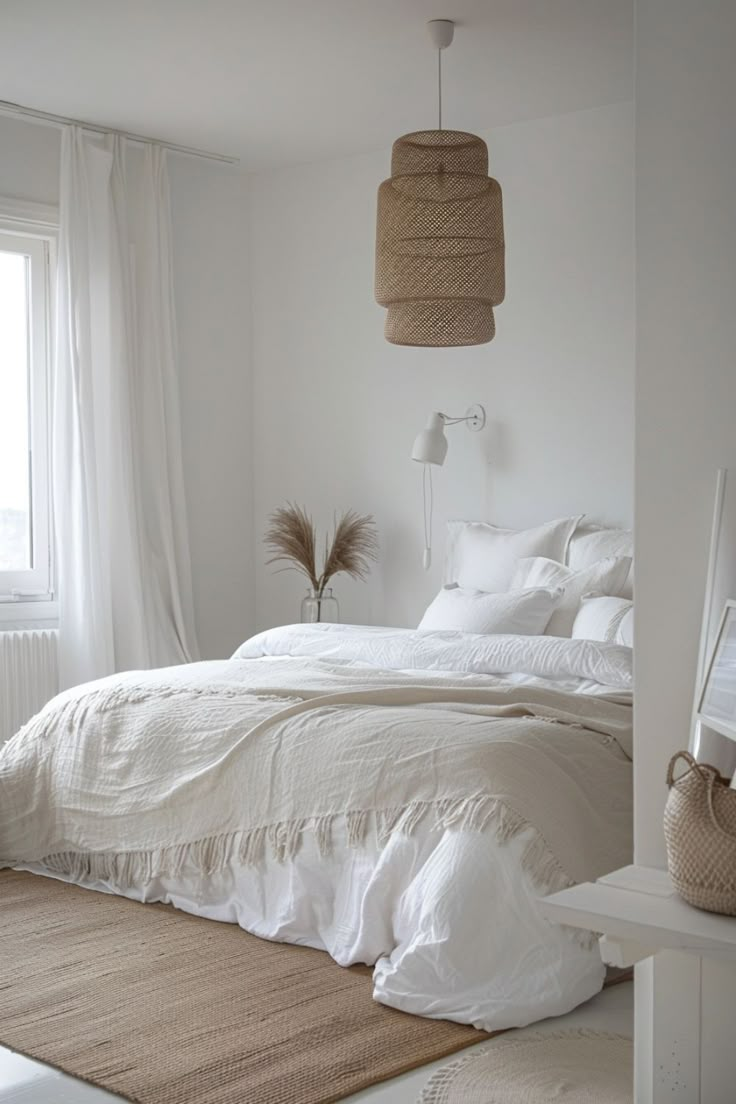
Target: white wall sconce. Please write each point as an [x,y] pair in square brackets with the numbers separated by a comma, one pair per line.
[430,448]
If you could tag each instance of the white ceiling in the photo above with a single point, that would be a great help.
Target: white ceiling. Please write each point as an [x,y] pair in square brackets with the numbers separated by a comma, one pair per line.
[279,82]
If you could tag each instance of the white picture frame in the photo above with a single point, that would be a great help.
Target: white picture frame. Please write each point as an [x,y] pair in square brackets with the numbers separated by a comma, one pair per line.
[717,705]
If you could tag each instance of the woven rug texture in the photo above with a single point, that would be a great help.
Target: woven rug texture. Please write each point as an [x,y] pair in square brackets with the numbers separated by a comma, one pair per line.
[166,1008]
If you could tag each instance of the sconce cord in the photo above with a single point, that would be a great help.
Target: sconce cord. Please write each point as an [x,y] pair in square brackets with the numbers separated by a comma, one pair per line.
[428,503]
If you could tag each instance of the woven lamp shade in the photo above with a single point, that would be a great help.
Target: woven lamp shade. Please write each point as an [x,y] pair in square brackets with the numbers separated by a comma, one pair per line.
[439,241]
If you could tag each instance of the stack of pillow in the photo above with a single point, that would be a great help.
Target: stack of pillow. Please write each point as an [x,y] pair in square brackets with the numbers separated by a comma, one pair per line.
[563,578]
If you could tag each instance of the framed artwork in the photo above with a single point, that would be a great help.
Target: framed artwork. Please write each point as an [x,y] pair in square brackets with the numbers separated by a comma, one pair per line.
[717,706]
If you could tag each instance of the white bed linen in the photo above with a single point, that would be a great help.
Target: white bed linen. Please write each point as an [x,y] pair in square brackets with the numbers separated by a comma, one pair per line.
[449,917]
[603,577]
[522,612]
[502,963]
[591,542]
[484,556]
[575,666]
[602,617]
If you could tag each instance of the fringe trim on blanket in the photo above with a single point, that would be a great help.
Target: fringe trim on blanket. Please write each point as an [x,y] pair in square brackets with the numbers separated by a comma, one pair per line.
[249,847]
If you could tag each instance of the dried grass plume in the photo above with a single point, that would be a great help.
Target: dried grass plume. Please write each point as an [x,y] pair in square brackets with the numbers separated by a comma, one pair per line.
[291,537]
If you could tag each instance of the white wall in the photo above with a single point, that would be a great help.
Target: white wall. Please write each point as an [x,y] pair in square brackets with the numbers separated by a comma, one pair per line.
[686,348]
[29,161]
[685,418]
[336,407]
[209,215]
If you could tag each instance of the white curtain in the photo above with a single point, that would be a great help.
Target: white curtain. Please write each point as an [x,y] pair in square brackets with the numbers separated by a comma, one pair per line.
[124,577]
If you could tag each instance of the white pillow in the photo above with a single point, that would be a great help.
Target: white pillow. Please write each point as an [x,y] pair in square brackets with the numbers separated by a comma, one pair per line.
[605,577]
[522,612]
[484,557]
[602,617]
[591,543]
[625,630]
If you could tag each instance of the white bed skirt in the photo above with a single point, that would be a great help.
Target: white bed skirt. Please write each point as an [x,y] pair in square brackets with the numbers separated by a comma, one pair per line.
[481,953]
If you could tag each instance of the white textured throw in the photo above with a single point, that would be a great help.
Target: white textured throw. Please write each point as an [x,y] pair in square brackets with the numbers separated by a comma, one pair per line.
[129,777]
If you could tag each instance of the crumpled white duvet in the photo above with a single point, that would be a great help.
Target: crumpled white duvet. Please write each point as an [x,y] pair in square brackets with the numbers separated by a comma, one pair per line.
[577,666]
[449,917]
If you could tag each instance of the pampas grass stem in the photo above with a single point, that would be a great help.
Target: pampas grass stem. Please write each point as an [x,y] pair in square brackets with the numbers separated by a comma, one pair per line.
[292,538]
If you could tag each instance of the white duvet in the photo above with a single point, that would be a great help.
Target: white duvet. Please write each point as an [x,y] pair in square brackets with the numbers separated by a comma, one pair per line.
[446,909]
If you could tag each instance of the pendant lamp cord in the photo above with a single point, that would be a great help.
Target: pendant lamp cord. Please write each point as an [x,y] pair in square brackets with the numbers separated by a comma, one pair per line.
[439,87]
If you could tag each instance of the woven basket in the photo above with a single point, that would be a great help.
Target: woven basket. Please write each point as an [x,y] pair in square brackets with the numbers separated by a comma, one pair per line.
[700,830]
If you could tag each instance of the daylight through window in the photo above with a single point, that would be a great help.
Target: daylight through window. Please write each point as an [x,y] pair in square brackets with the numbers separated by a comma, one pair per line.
[24,498]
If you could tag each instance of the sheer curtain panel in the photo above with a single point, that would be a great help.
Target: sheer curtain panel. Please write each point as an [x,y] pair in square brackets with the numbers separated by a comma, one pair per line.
[124,577]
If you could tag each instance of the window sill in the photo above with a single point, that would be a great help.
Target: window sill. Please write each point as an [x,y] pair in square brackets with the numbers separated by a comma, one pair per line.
[28,615]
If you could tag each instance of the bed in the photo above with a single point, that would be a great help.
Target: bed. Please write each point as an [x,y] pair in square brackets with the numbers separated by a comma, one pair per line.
[396,797]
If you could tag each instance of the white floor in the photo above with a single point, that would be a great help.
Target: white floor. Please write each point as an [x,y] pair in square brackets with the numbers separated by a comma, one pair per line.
[24,1081]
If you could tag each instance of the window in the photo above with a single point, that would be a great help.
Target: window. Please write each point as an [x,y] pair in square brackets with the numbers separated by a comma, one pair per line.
[25,548]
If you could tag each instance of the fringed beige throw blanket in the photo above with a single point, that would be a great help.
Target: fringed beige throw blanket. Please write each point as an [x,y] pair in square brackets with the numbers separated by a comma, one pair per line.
[131,777]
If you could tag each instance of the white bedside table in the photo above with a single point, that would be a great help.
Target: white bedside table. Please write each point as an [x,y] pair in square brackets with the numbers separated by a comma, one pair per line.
[692,959]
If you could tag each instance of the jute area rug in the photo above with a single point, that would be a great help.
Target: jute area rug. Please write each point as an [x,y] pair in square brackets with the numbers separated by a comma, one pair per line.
[166,1008]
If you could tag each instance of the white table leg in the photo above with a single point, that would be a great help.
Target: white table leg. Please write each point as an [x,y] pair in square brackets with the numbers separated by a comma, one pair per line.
[718,1032]
[667,1024]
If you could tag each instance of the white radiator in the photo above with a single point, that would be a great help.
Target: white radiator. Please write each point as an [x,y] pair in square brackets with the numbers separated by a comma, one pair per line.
[29,675]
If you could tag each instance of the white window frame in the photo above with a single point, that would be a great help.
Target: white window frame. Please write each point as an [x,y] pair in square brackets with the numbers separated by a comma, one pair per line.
[29,595]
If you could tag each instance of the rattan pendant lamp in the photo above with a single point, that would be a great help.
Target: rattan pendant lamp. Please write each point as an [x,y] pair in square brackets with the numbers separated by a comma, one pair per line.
[439,240]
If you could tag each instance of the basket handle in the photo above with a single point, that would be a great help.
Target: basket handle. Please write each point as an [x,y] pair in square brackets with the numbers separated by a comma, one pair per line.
[708,776]
[692,765]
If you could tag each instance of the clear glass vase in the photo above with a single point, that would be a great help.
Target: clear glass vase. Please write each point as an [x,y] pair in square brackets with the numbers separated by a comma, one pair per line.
[320,607]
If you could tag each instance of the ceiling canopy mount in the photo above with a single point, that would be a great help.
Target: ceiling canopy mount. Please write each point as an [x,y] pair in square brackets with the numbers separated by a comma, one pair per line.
[441,32]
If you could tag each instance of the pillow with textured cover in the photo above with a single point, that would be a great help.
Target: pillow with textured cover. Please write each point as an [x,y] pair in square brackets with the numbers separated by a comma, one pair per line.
[604,618]
[591,543]
[604,577]
[484,557]
[519,612]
